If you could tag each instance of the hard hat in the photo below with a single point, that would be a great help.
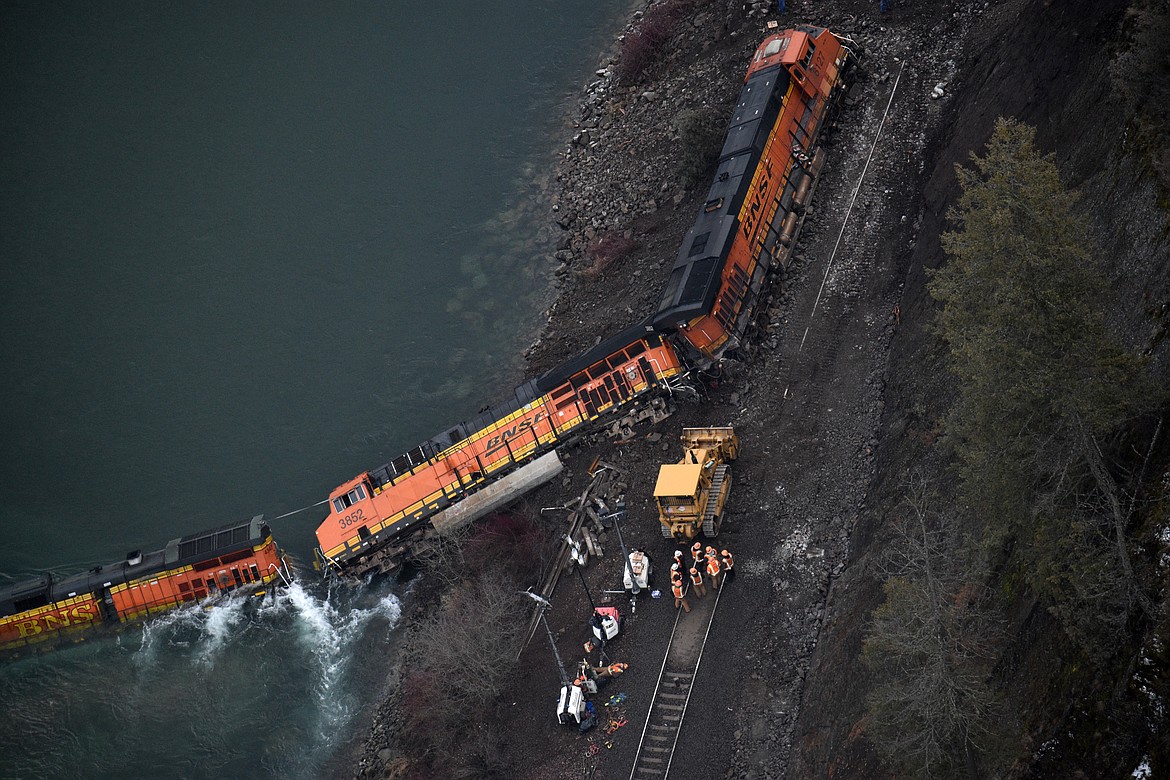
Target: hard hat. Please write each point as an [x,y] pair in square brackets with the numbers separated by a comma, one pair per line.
[678,553]
[697,546]
[674,567]
[710,549]
[725,553]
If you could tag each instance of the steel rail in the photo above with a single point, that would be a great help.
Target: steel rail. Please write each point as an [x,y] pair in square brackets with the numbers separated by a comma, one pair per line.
[661,676]
[849,210]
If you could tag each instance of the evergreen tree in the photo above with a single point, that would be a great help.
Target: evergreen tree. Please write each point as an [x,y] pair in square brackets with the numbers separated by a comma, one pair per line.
[1042,382]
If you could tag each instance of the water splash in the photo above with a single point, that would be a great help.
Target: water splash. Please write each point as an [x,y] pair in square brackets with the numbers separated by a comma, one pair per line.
[220,624]
[328,627]
[207,627]
[214,657]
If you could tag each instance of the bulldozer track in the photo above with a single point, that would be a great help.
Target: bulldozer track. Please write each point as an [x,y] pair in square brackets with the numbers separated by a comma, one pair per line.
[711,522]
[668,707]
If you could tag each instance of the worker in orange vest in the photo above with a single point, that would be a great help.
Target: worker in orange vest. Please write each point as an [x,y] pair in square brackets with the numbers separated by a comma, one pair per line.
[675,573]
[728,566]
[713,567]
[613,670]
[697,554]
[697,579]
[680,599]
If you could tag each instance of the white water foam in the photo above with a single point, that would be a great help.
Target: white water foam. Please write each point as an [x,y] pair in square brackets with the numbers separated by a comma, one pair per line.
[327,628]
[326,635]
[213,622]
[219,626]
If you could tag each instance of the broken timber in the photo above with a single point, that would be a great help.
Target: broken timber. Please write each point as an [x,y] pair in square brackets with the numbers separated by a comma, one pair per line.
[604,480]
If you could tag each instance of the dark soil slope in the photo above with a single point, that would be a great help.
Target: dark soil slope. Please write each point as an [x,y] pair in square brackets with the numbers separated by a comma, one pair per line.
[1047,64]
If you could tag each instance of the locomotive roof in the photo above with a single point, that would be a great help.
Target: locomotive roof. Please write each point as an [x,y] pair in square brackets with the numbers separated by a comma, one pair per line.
[756,111]
[524,394]
[602,350]
[696,274]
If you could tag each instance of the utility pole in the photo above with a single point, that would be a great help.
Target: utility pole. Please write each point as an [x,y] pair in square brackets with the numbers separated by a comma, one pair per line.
[551,641]
[621,510]
[588,595]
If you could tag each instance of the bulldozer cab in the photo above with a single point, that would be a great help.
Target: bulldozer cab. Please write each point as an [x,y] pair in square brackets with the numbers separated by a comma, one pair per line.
[678,487]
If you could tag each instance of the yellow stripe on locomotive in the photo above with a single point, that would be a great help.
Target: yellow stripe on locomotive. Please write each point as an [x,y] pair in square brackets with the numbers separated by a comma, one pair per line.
[366,514]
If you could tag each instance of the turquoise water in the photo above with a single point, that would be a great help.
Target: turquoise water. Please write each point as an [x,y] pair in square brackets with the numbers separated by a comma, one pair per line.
[249,250]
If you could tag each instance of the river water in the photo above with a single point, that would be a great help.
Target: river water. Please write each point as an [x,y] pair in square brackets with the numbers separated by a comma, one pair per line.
[248,251]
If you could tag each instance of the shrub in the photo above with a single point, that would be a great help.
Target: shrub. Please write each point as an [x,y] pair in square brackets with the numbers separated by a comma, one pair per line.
[647,43]
[606,252]
[458,661]
[511,540]
[700,137]
[1140,74]
[458,658]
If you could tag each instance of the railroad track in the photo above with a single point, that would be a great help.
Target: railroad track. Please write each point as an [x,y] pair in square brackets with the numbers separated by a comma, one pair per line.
[668,707]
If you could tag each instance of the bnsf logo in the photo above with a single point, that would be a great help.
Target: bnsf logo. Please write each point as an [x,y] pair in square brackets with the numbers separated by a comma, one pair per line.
[57,619]
[755,207]
[497,442]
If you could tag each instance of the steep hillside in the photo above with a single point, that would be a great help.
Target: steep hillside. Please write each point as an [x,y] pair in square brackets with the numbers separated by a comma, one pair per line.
[1072,70]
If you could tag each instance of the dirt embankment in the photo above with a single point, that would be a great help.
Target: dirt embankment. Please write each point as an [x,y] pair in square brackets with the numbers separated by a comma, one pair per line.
[1048,65]
[843,394]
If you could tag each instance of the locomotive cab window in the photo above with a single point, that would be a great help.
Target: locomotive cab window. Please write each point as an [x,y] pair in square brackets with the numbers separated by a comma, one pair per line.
[808,55]
[341,503]
[775,47]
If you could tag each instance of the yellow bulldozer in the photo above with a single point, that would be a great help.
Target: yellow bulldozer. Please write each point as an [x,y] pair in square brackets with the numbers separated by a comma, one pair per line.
[691,494]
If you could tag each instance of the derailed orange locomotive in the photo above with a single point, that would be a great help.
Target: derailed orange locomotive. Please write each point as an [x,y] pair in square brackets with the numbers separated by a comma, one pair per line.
[374,516]
[767,170]
[241,556]
[766,174]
